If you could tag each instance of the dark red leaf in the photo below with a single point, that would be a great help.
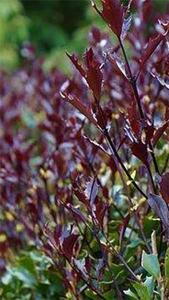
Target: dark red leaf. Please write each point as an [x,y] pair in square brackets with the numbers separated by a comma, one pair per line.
[80,106]
[68,245]
[97,146]
[164,187]
[167,114]
[160,207]
[159,132]
[78,216]
[118,65]
[146,9]
[160,70]
[91,190]
[140,151]
[134,120]
[94,75]
[149,130]
[151,47]
[76,63]
[80,195]
[32,210]
[113,14]
[123,227]
[100,211]
[58,233]
[96,34]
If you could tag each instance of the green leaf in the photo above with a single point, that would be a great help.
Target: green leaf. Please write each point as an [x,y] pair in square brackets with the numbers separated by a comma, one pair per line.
[118,273]
[6,278]
[135,243]
[131,294]
[149,283]
[27,263]
[90,294]
[166,265]
[150,222]
[142,291]
[41,259]
[151,264]
[110,295]
[23,275]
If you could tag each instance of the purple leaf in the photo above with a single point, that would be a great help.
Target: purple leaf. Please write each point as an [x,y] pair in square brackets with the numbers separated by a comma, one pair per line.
[153,43]
[94,74]
[140,151]
[78,216]
[147,6]
[159,132]
[100,211]
[80,195]
[160,207]
[76,63]
[68,245]
[80,106]
[164,187]
[113,14]
[123,227]
[91,190]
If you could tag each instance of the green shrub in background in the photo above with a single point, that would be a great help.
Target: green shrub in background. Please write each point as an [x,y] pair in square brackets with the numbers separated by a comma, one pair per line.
[31,276]
[49,25]
[13,31]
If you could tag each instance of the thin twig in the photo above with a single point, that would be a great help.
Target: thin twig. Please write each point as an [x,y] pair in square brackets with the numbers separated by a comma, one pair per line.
[110,247]
[132,81]
[151,178]
[122,164]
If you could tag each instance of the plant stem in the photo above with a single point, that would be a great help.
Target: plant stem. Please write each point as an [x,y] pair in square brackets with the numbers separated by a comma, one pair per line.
[122,164]
[151,179]
[132,80]
[142,233]
[133,84]
[90,286]
[120,257]
[113,149]
[154,159]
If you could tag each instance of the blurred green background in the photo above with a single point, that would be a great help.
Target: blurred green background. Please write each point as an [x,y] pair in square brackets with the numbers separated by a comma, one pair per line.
[52,26]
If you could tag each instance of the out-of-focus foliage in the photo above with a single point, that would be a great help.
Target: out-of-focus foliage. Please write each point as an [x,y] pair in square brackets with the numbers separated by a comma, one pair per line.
[31,275]
[78,41]
[13,31]
[64,27]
